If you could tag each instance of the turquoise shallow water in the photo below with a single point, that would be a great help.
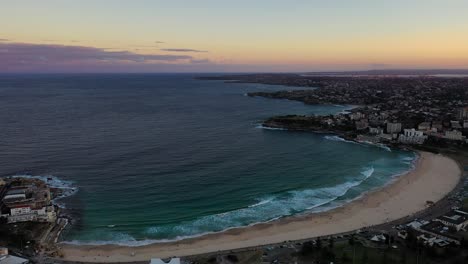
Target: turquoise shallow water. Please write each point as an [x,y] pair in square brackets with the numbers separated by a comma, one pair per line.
[161,157]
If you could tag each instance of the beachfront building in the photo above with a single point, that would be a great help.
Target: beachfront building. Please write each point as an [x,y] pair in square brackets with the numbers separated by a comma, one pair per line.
[457,219]
[463,113]
[424,126]
[430,240]
[24,213]
[403,234]
[356,116]
[6,258]
[376,130]
[28,203]
[362,124]
[453,135]
[393,128]
[437,126]
[455,125]
[412,136]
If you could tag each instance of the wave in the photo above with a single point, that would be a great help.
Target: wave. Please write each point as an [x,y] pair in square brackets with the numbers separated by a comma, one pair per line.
[262,202]
[270,128]
[67,187]
[340,139]
[383,146]
[266,210]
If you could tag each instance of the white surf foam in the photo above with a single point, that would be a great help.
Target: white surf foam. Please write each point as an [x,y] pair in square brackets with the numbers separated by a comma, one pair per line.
[262,202]
[339,139]
[270,128]
[266,210]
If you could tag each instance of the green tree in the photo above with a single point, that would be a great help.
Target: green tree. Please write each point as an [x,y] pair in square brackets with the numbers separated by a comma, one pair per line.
[331,242]
[403,256]
[365,256]
[345,258]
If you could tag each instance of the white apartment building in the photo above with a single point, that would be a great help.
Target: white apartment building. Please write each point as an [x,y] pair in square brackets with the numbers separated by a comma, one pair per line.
[412,136]
[393,128]
[453,135]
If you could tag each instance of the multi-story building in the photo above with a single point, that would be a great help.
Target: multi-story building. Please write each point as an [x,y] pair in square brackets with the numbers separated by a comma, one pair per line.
[393,128]
[455,125]
[456,218]
[412,136]
[424,126]
[362,124]
[357,116]
[28,203]
[463,113]
[375,130]
[437,125]
[453,135]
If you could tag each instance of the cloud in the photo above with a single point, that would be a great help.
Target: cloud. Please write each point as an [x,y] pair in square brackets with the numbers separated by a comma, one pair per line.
[159,42]
[205,61]
[379,65]
[183,50]
[1,39]
[17,56]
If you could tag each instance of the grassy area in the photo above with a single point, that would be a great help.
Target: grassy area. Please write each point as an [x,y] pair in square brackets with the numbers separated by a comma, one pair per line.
[253,256]
[359,254]
[345,253]
[465,204]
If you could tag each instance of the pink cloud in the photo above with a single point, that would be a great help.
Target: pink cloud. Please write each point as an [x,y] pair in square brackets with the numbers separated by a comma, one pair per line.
[30,57]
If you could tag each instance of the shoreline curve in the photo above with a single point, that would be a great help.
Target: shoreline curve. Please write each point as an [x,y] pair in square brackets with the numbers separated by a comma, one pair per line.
[433,177]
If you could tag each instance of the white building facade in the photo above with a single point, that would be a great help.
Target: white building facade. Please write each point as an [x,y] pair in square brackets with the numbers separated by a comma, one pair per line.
[412,136]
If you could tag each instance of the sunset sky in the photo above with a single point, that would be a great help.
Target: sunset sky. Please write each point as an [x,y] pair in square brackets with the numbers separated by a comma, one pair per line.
[241,35]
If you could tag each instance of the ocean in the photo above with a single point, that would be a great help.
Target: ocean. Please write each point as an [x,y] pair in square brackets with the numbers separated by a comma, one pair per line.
[162,157]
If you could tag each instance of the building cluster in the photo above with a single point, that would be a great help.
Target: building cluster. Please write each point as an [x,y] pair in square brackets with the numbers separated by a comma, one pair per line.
[409,110]
[381,127]
[22,201]
[441,231]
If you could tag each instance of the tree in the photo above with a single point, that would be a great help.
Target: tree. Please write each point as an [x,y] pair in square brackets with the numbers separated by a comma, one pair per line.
[364,257]
[307,248]
[385,257]
[464,243]
[344,257]
[319,243]
[403,256]
[331,242]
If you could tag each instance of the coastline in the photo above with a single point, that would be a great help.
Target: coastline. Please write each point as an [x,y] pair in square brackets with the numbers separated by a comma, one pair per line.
[404,196]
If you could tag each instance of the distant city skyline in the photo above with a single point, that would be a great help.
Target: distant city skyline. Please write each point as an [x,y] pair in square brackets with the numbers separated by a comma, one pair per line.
[232,36]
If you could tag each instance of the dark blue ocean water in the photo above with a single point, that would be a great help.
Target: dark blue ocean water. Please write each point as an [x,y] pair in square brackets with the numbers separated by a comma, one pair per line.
[166,156]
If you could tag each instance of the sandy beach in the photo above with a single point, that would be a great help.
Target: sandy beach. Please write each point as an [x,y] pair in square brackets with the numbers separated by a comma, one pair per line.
[433,177]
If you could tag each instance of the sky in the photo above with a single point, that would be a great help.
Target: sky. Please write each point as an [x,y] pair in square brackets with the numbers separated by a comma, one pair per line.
[231,36]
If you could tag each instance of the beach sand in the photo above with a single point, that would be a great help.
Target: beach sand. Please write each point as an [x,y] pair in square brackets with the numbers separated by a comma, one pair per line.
[433,177]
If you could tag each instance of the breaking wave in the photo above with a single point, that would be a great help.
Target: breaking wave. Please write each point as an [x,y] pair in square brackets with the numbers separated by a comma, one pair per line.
[270,128]
[264,210]
[340,139]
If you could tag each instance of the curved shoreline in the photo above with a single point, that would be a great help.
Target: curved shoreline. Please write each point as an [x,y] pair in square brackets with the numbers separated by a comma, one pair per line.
[433,177]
